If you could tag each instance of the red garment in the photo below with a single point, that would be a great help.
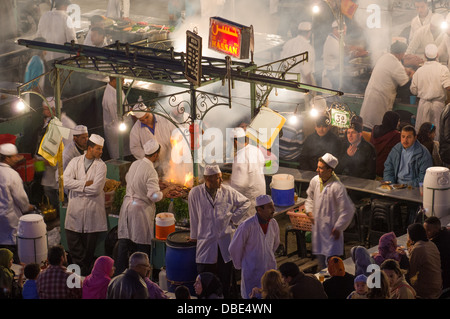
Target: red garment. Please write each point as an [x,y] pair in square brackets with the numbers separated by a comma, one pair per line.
[264,227]
[52,284]
[383,146]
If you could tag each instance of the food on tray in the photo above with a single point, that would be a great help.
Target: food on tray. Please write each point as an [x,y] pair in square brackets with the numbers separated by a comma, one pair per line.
[399,186]
[386,187]
[386,182]
[111,185]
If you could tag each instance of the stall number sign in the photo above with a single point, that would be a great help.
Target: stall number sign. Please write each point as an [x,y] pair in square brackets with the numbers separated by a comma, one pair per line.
[193,65]
[340,118]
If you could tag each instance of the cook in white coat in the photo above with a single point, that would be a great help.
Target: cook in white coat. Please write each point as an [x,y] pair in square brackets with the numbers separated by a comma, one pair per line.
[117,9]
[111,120]
[85,178]
[298,45]
[331,57]
[137,214]
[330,208]
[77,146]
[214,210]
[13,199]
[151,126]
[422,18]
[430,33]
[57,27]
[247,175]
[253,246]
[387,75]
[430,83]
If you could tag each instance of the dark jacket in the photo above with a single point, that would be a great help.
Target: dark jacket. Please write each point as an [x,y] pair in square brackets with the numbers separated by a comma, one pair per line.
[383,145]
[361,165]
[315,147]
[420,161]
[307,286]
[442,241]
[127,285]
[339,287]
[444,135]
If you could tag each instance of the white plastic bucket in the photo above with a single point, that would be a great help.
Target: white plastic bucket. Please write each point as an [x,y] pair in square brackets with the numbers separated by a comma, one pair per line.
[282,189]
[32,243]
[436,191]
[165,224]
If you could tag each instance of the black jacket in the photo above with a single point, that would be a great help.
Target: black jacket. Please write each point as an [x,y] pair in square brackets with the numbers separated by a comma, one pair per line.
[362,164]
[127,285]
[315,147]
[444,135]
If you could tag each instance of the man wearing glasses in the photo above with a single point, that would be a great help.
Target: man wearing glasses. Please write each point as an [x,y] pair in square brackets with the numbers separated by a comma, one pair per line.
[131,283]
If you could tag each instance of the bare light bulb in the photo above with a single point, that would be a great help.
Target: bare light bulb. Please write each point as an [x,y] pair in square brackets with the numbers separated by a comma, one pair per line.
[122,127]
[314,112]
[315,9]
[20,106]
[293,119]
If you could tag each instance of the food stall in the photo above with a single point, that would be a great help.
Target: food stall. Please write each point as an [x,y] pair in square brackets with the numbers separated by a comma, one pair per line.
[142,62]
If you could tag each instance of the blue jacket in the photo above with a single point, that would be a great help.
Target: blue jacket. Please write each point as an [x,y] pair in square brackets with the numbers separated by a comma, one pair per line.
[420,161]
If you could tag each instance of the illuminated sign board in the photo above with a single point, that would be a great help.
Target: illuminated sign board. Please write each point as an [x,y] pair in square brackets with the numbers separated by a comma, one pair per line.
[229,38]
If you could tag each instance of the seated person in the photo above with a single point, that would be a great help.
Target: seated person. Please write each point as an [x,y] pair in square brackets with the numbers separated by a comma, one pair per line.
[318,143]
[357,157]
[408,160]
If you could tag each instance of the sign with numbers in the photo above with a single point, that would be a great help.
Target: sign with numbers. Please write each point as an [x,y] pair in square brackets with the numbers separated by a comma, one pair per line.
[340,118]
[193,65]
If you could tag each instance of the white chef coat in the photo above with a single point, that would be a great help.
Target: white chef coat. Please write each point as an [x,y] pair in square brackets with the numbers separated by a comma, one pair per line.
[444,50]
[137,214]
[70,152]
[86,209]
[212,220]
[247,175]
[253,252]
[379,97]
[13,203]
[429,83]
[421,39]
[111,123]
[331,49]
[331,208]
[296,46]
[416,24]
[118,9]
[140,134]
[56,27]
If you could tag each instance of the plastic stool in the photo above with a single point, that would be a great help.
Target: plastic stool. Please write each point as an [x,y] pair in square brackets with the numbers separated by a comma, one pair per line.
[386,214]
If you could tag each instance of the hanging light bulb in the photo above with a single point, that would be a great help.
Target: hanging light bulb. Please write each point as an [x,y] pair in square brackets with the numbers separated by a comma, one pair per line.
[314,112]
[293,119]
[316,9]
[122,127]
[20,106]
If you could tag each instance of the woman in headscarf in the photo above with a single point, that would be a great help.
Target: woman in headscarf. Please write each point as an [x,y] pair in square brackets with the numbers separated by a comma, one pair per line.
[388,249]
[96,284]
[426,136]
[208,286]
[9,288]
[341,283]
[384,138]
[362,260]
[424,271]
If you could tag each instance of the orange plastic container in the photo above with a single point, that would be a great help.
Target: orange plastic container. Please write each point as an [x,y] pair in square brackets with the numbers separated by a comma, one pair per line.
[165,225]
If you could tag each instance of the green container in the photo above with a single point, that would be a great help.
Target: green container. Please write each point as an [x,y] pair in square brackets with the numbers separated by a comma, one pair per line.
[39,166]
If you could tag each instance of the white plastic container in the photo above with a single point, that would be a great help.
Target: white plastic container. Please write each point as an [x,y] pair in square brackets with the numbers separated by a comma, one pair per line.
[32,239]
[436,191]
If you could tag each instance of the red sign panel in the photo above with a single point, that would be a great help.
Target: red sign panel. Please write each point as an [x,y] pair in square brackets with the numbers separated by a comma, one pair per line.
[228,37]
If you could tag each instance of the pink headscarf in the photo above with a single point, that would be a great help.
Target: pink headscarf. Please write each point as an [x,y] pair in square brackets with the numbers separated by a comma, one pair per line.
[387,248]
[96,284]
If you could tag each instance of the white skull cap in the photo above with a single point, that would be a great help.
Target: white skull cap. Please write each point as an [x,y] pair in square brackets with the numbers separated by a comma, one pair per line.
[79,129]
[8,149]
[263,199]
[431,51]
[151,146]
[97,139]
[139,110]
[211,170]
[330,160]
[305,26]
